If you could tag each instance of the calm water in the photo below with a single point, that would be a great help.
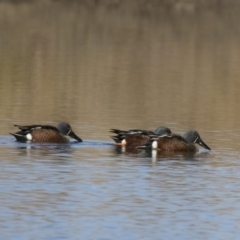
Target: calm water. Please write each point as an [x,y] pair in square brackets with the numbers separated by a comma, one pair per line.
[119,65]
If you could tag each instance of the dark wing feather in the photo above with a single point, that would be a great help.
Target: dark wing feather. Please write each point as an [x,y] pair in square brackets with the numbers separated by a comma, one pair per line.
[117,131]
[30,128]
[166,136]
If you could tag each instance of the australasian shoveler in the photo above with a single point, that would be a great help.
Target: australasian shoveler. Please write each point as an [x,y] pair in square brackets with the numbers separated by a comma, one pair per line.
[174,142]
[45,133]
[136,137]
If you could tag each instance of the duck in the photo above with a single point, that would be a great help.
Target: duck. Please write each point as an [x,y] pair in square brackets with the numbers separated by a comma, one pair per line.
[135,137]
[176,143]
[45,133]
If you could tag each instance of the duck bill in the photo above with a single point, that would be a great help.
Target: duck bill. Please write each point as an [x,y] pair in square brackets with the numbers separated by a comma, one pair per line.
[73,135]
[203,144]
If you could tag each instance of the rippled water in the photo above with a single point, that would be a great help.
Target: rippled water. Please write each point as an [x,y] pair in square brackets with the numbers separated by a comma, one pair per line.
[91,191]
[119,65]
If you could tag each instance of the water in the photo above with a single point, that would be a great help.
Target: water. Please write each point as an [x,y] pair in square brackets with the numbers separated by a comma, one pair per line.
[119,65]
[89,191]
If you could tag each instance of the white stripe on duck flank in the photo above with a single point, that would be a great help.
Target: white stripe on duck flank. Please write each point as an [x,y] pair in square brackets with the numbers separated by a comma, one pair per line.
[29,137]
[155,145]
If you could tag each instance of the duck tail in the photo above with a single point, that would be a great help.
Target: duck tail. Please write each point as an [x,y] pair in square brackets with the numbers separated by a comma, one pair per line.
[19,137]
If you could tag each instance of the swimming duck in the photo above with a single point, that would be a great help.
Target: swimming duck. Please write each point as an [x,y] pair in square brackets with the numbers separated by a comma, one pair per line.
[45,133]
[174,142]
[136,137]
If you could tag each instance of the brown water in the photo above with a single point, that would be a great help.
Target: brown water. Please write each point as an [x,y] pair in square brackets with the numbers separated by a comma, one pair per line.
[102,66]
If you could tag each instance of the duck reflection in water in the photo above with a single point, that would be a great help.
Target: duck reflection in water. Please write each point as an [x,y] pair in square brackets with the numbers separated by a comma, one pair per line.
[129,150]
[51,153]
